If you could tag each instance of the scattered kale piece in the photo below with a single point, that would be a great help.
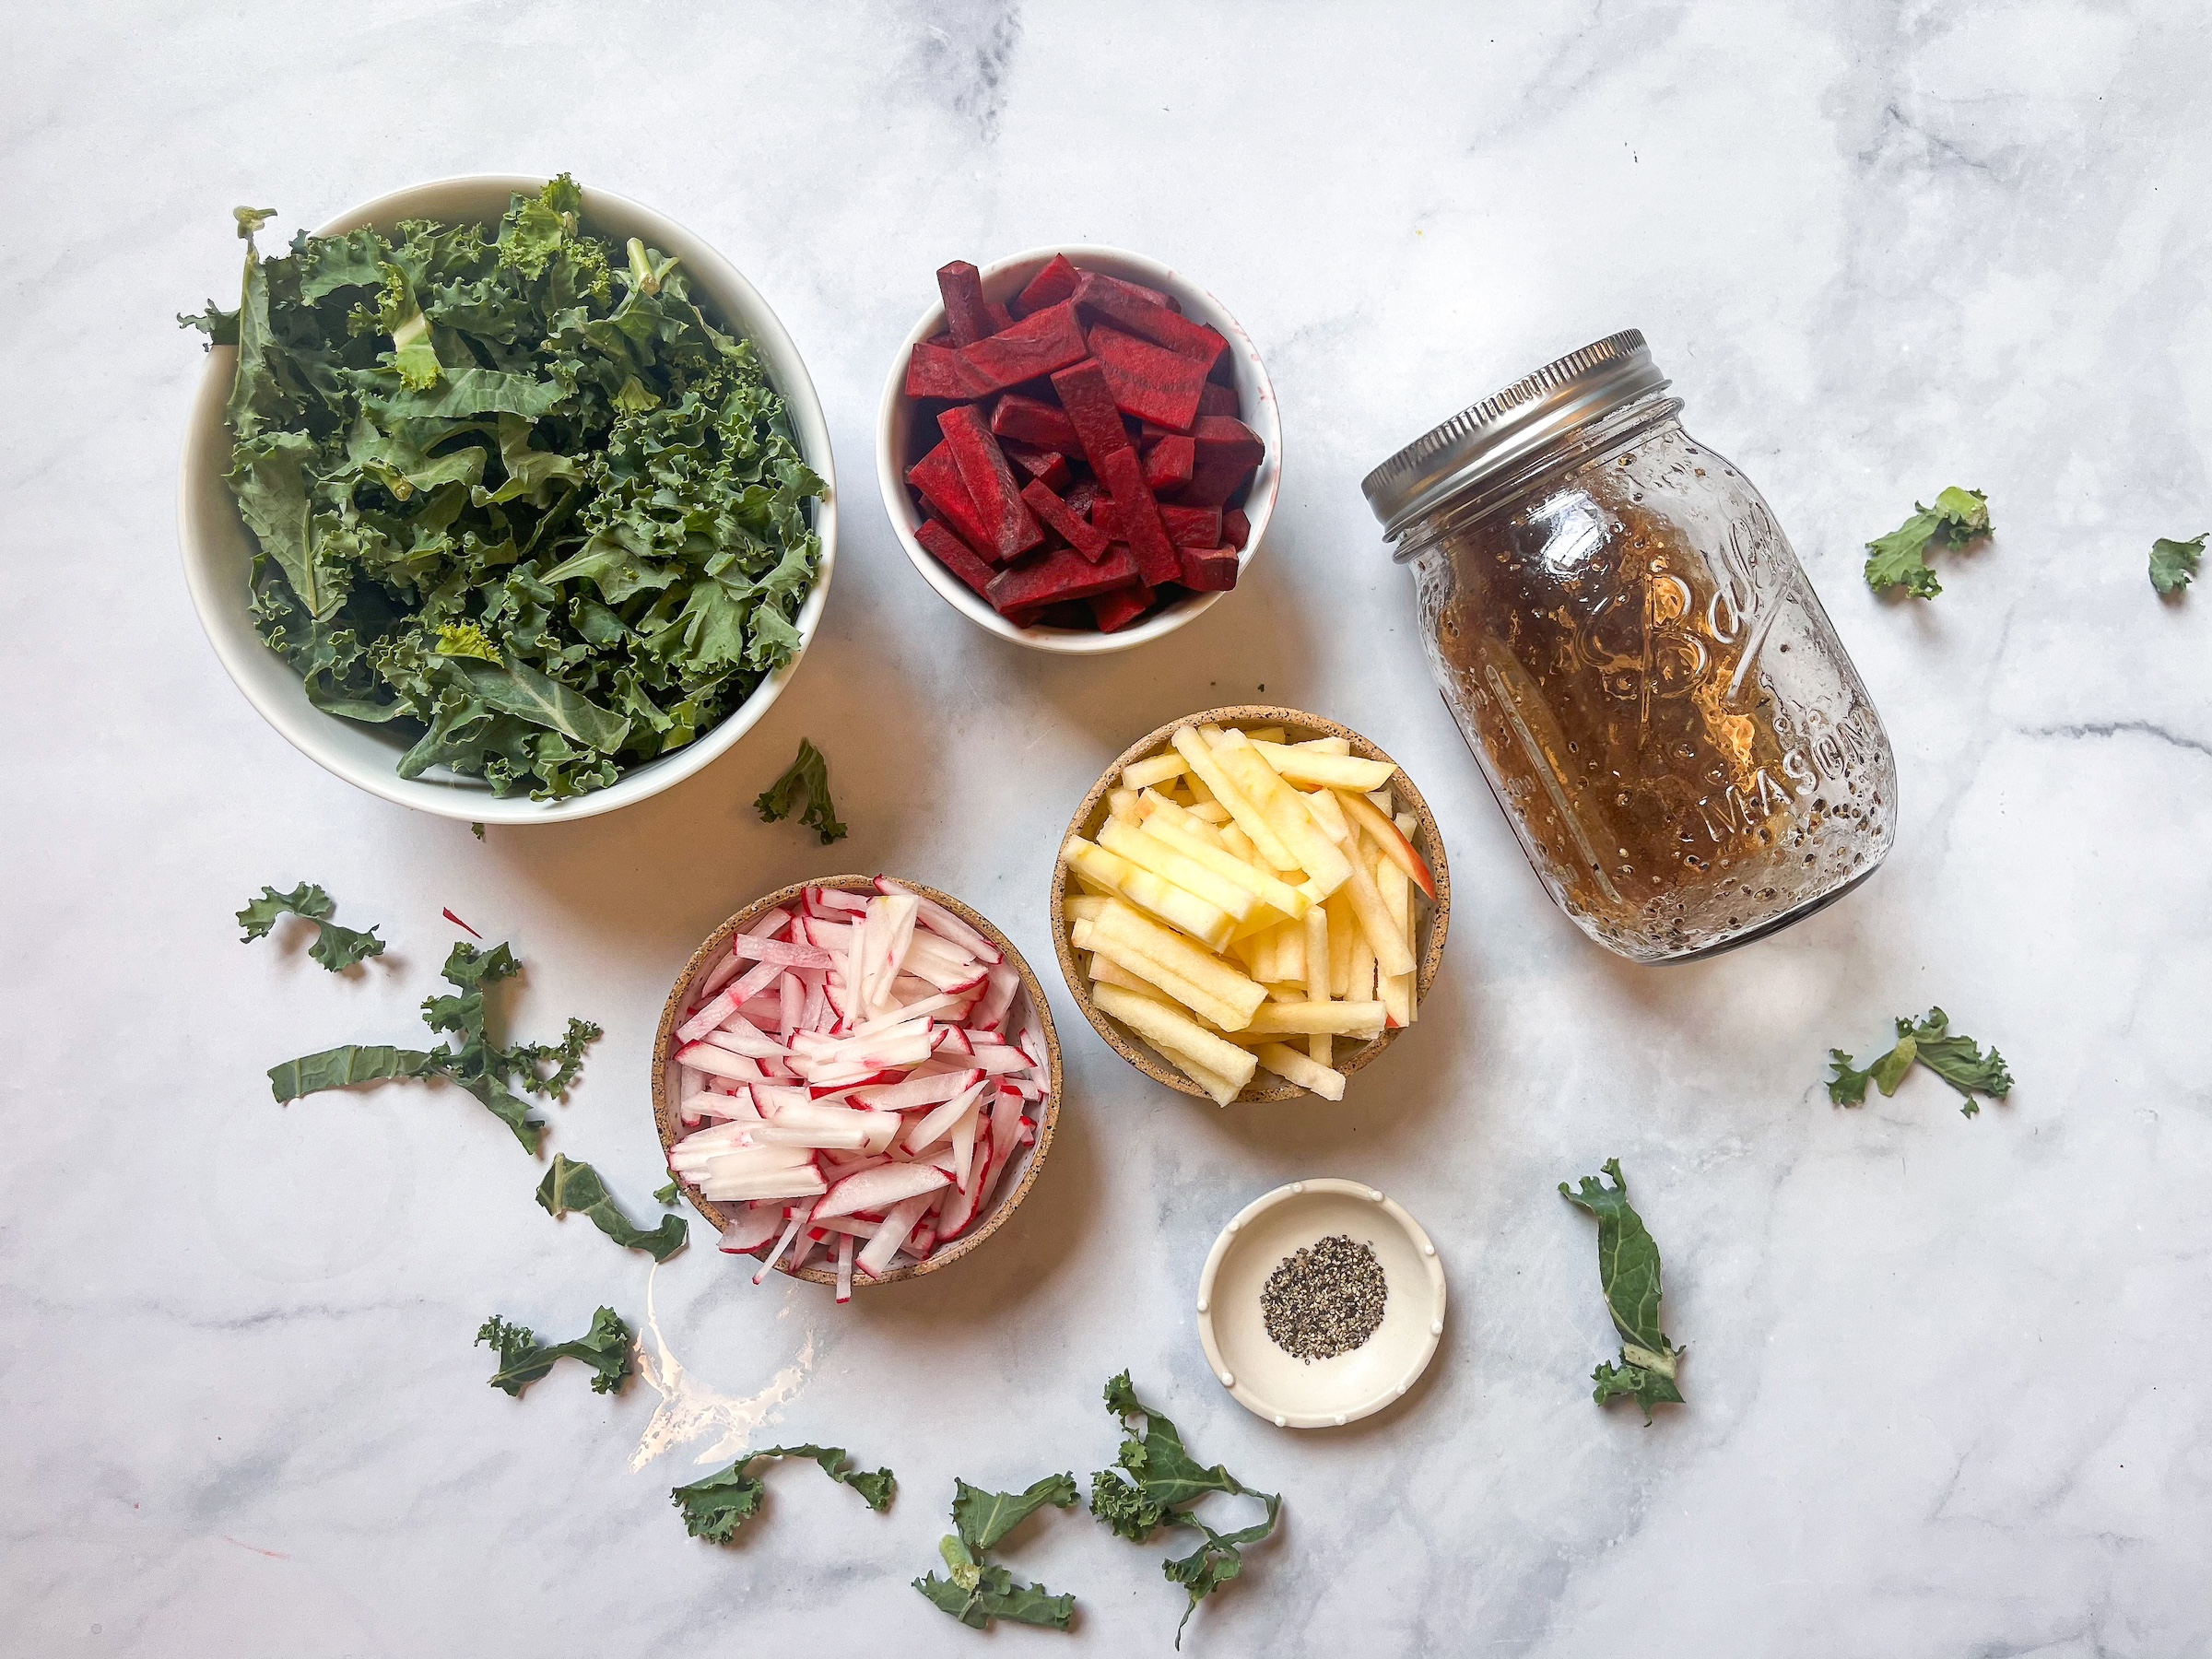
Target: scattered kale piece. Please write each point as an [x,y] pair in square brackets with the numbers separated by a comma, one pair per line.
[1627,1267]
[1958,1061]
[809,773]
[479,1065]
[477,831]
[717,1507]
[2174,563]
[1900,558]
[337,949]
[1155,1484]
[606,1348]
[671,1194]
[511,491]
[976,1592]
[577,1186]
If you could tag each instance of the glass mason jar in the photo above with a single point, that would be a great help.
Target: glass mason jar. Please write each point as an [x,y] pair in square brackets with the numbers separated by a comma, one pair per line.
[1637,661]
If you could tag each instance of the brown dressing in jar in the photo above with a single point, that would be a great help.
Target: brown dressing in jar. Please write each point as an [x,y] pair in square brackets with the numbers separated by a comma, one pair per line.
[1636,659]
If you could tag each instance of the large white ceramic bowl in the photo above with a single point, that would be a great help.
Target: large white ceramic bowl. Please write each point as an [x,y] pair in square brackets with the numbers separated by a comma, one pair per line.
[895,450]
[218,551]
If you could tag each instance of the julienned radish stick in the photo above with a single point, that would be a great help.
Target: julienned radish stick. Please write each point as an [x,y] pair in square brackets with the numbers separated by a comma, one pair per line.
[874,1056]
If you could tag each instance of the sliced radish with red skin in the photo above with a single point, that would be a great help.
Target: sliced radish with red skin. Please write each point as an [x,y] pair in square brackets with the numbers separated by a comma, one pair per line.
[753,981]
[744,1158]
[971,979]
[919,1242]
[802,1183]
[790,1232]
[791,998]
[886,1032]
[1006,1125]
[814,1136]
[938,1122]
[837,1171]
[754,1226]
[961,1206]
[897,1225]
[767,926]
[936,950]
[719,1061]
[919,1092]
[990,1012]
[738,1047]
[943,922]
[844,1267]
[893,933]
[741,1035]
[963,1145]
[729,1149]
[719,1137]
[725,971]
[872,1189]
[705,1106]
[805,1246]
[860,1226]
[839,900]
[711,1013]
[778,951]
[999,1058]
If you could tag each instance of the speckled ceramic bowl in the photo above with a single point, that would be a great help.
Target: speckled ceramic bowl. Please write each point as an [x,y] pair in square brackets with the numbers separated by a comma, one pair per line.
[1014,1185]
[1428,839]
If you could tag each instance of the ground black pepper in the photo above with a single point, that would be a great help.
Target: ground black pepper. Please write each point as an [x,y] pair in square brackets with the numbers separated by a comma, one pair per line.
[1324,1299]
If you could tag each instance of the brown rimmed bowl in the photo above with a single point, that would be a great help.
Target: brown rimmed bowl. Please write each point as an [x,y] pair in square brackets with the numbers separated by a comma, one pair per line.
[1428,839]
[1014,1185]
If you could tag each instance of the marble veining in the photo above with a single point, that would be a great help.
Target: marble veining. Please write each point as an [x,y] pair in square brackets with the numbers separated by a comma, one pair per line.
[1947,1379]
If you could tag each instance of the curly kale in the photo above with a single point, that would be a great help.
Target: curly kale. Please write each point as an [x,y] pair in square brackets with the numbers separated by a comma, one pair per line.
[1155,1484]
[1627,1267]
[524,501]
[718,1505]
[1958,1061]
[808,773]
[975,1591]
[337,949]
[479,1065]
[1900,558]
[568,1186]
[2174,563]
[606,1348]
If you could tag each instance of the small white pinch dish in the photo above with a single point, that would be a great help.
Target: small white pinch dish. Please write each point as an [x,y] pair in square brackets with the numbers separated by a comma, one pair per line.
[1322,1393]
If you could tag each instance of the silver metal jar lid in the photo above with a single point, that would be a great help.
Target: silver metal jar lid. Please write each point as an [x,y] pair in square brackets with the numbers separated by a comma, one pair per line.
[1508,425]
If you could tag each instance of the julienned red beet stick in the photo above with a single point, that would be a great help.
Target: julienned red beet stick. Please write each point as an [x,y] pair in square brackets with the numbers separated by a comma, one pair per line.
[1156,560]
[1089,406]
[1009,527]
[961,287]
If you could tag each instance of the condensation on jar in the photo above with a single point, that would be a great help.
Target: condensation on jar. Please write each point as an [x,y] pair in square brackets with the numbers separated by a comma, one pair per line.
[1637,661]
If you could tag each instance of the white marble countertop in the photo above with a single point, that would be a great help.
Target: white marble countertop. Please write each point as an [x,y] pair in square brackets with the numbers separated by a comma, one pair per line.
[1947,1378]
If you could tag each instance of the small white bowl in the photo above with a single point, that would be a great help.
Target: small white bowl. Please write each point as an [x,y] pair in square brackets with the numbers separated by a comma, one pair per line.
[1322,1393]
[1002,280]
[219,550]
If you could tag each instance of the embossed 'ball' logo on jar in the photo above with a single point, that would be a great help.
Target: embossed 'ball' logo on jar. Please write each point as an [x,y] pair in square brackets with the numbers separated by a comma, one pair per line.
[1644,643]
